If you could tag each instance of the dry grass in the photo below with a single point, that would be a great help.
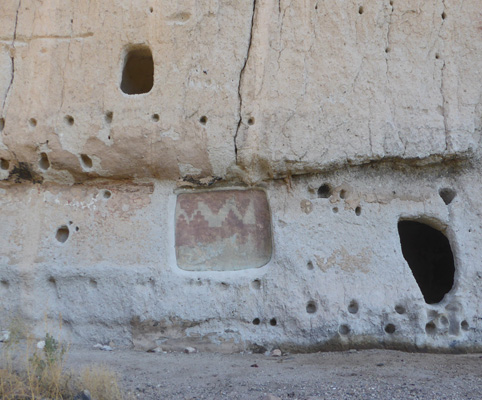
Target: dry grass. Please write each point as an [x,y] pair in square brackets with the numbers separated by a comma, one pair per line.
[101,383]
[42,373]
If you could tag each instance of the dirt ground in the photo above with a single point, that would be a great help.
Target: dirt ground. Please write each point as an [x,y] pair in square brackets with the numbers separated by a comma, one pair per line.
[369,374]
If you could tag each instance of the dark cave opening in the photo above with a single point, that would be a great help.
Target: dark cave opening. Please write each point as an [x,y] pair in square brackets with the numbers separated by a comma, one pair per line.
[429,256]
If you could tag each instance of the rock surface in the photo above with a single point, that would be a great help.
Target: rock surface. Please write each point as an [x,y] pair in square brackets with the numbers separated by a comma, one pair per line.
[344,118]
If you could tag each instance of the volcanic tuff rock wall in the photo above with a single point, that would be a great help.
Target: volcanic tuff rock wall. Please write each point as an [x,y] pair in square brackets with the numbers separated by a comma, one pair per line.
[225,173]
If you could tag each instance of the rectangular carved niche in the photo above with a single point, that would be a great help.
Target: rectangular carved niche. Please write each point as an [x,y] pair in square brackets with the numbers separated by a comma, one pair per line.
[226,230]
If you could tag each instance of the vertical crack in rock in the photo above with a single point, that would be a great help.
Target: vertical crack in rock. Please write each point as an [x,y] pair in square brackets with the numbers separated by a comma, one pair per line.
[12,56]
[442,91]
[241,74]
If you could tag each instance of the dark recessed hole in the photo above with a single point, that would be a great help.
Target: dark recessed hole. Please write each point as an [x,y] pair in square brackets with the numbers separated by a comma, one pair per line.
[444,15]
[358,211]
[311,307]
[2,124]
[429,256]
[256,321]
[5,283]
[4,164]
[437,56]
[390,328]
[151,10]
[360,10]
[344,329]
[391,2]
[32,122]
[335,210]
[400,309]
[464,325]
[77,229]
[86,161]
[69,120]
[93,282]
[44,162]
[309,265]
[324,191]
[273,322]
[62,234]
[342,193]
[387,50]
[447,195]
[52,281]
[107,194]
[256,284]
[109,116]
[155,117]
[224,285]
[203,120]
[353,307]
[138,71]
[430,327]
[251,121]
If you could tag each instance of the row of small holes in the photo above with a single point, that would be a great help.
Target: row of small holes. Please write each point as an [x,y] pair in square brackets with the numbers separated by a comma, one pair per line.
[431,328]
[44,162]
[344,329]
[272,321]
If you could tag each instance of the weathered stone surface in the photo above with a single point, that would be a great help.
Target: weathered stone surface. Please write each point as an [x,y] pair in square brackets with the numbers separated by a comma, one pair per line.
[253,196]
[223,230]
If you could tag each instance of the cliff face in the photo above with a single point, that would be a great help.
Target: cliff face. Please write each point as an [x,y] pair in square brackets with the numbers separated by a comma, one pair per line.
[226,173]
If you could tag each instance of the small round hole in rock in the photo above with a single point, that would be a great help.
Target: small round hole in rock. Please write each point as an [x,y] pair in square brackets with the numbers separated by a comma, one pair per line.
[464,325]
[93,282]
[44,162]
[5,283]
[256,284]
[353,307]
[342,193]
[390,328]
[324,191]
[387,50]
[447,195]
[358,211]
[310,266]
[400,309]
[444,15]
[203,120]
[32,122]
[62,234]
[155,117]
[86,161]
[4,164]
[256,321]
[335,210]
[52,281]
[109,116]
[311,307]
[107,194]
[151,9]
[360,10]
[430,327]
[251,121]
[2,124]
[344,329]
[69,120]
[273,322]
[437,56]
